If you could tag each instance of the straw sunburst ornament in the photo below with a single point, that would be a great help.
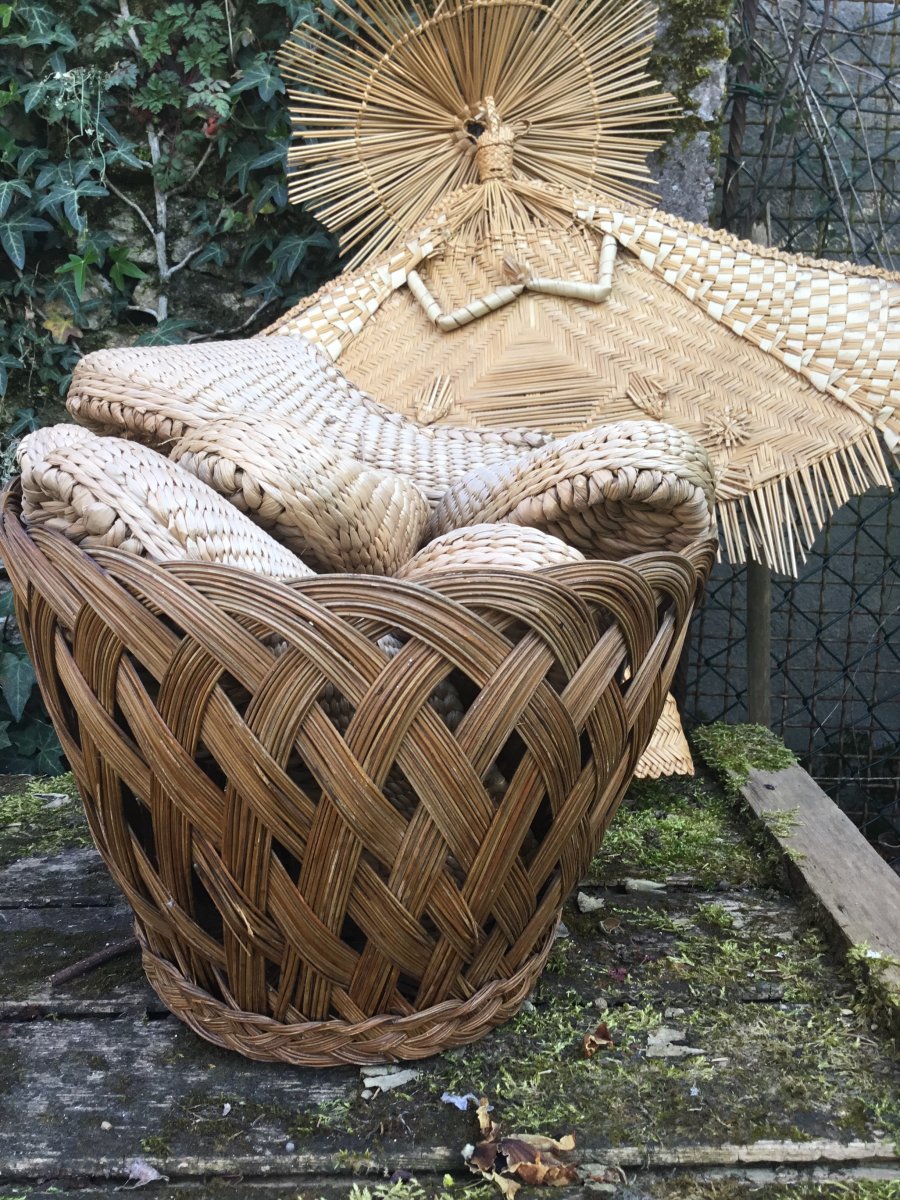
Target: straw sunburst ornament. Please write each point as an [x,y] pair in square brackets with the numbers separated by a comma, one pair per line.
[394,107]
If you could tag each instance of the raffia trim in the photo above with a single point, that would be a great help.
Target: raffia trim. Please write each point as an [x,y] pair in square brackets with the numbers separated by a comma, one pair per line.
[778,523]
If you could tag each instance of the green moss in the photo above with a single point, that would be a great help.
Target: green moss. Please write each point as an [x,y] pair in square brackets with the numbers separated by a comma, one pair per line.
[157,1147]
[675,826]
[733,751]
[695,36]
[31,822]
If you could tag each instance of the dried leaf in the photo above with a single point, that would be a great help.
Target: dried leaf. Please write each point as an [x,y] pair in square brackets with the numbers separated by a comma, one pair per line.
[60,325]
[538,1141]
[507,1186]
[546,1171]
[610,924]
[601,1037]
[483,1157]
[485,1124]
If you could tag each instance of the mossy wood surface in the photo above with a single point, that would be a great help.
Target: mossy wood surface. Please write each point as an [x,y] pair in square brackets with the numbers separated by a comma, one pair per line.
[791,1070]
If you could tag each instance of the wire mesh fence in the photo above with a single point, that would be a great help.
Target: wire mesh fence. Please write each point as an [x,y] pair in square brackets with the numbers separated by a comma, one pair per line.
[819,172]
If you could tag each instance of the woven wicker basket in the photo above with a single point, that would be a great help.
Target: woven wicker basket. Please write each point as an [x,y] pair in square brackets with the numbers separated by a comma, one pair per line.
[285,906]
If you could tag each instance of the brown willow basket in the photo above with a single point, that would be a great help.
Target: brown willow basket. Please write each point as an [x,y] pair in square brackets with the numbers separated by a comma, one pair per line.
[289,900]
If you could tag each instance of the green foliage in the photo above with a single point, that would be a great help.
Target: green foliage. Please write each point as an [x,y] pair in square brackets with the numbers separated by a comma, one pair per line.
[123,132]
[138,146]
[27,741]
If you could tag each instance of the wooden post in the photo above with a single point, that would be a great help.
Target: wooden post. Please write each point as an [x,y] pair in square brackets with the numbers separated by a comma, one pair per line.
[759,644]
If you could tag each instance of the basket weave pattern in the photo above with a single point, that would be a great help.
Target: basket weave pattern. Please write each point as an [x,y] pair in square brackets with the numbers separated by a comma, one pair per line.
[286,907]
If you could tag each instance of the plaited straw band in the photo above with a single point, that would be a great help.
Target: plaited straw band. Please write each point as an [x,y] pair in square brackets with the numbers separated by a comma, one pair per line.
[333,511]
[490,546]
[610,492]
[158,395]
[105,492]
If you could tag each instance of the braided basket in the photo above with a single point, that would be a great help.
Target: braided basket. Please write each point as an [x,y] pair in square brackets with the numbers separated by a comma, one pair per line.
[285,905]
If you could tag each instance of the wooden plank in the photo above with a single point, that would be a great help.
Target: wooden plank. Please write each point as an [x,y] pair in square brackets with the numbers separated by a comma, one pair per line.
[74,878]
[829,859]
[83,1098]
[36,942]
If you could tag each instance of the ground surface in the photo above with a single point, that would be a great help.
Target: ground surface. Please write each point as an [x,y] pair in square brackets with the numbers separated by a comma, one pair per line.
[788,1090]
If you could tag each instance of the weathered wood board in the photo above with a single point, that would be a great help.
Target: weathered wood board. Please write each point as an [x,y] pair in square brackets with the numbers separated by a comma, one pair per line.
[828,858]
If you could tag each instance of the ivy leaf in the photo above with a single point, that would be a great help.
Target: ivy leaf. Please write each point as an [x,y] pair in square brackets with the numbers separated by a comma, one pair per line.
[40,20]
[261,74]
[8,189]
[8,362]
[77,266]
[277,154]
[291,251]
[60,325]
[123,151]
[67,195]
[12,231]
[38,750]
[214,253]
[166,333]
[16,682]
[273,191]
[124,268]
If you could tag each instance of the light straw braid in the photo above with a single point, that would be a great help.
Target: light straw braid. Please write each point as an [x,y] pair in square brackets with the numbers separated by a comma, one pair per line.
[335,512]
[611,492]
[106,492]
[158,396]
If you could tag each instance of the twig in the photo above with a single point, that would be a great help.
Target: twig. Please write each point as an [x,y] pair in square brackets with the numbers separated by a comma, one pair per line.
[216,333]
[113,950]
[131,204]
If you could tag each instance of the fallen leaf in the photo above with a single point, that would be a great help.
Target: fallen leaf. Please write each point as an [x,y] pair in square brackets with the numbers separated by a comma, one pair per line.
[507,1186]
[483,1157]
[661,1043]
[610,924]
[539,1142]
[546,1171]
[60,326]
[140,1173]
[619,974]
[595,1041]
[485,1124]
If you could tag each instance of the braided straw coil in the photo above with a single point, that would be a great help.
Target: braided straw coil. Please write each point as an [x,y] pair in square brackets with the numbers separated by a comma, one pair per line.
[492,547]
[160,394]
[609,492]
[335,512]
[108,492]
[285,908]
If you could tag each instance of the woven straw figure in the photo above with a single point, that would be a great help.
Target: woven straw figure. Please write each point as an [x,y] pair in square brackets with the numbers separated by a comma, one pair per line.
[484,162]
